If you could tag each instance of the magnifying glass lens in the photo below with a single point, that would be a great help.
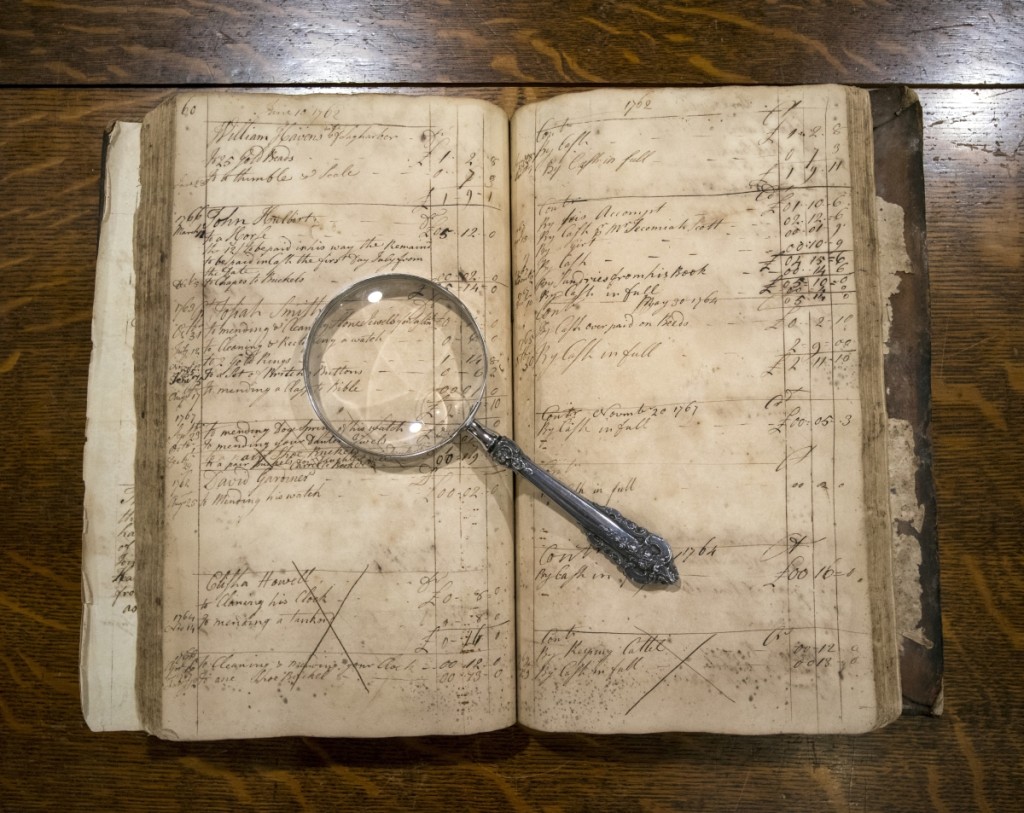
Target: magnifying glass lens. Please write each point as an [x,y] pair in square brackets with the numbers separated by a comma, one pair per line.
[395,366]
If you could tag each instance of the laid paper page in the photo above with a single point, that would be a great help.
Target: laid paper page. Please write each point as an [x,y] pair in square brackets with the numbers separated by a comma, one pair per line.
[688,351]
[305,590]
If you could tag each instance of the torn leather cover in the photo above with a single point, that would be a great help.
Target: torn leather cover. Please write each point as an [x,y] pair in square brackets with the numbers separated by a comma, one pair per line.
[899,182]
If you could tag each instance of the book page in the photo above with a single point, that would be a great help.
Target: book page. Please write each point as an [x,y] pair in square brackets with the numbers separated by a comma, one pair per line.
[695,347]
[107,666]
[306,590]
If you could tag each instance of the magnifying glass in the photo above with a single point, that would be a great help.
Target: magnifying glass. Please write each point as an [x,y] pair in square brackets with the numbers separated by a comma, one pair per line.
[395,367]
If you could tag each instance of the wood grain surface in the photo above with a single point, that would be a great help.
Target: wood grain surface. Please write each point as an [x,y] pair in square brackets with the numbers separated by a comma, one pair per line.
[70,68]
[592,41]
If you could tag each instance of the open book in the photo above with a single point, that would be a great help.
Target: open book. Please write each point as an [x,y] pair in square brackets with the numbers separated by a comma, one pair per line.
[681,294]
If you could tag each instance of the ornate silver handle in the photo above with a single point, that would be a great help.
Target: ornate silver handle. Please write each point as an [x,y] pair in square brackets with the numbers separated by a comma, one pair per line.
[644,557]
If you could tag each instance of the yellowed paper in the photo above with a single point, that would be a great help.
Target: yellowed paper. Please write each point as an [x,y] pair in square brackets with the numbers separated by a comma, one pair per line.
[307,591]
[688,351]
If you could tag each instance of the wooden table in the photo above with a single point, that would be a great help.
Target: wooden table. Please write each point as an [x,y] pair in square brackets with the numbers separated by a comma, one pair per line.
[68,69]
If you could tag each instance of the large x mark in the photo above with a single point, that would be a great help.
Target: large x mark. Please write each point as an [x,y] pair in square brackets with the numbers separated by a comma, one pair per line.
[330,626]
[682,662]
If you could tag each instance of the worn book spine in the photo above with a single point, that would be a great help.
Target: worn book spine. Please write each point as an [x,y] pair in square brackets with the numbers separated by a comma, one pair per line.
[899,184]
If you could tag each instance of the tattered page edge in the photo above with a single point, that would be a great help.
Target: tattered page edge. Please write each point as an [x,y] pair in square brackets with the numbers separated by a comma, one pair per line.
[899,187]
[875,452]
[108,630]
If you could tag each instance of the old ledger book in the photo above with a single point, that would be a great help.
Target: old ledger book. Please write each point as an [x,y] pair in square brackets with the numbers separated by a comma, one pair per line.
[681,294]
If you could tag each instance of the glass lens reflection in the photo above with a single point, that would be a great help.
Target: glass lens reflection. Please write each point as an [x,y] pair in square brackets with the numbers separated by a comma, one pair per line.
[395,366]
